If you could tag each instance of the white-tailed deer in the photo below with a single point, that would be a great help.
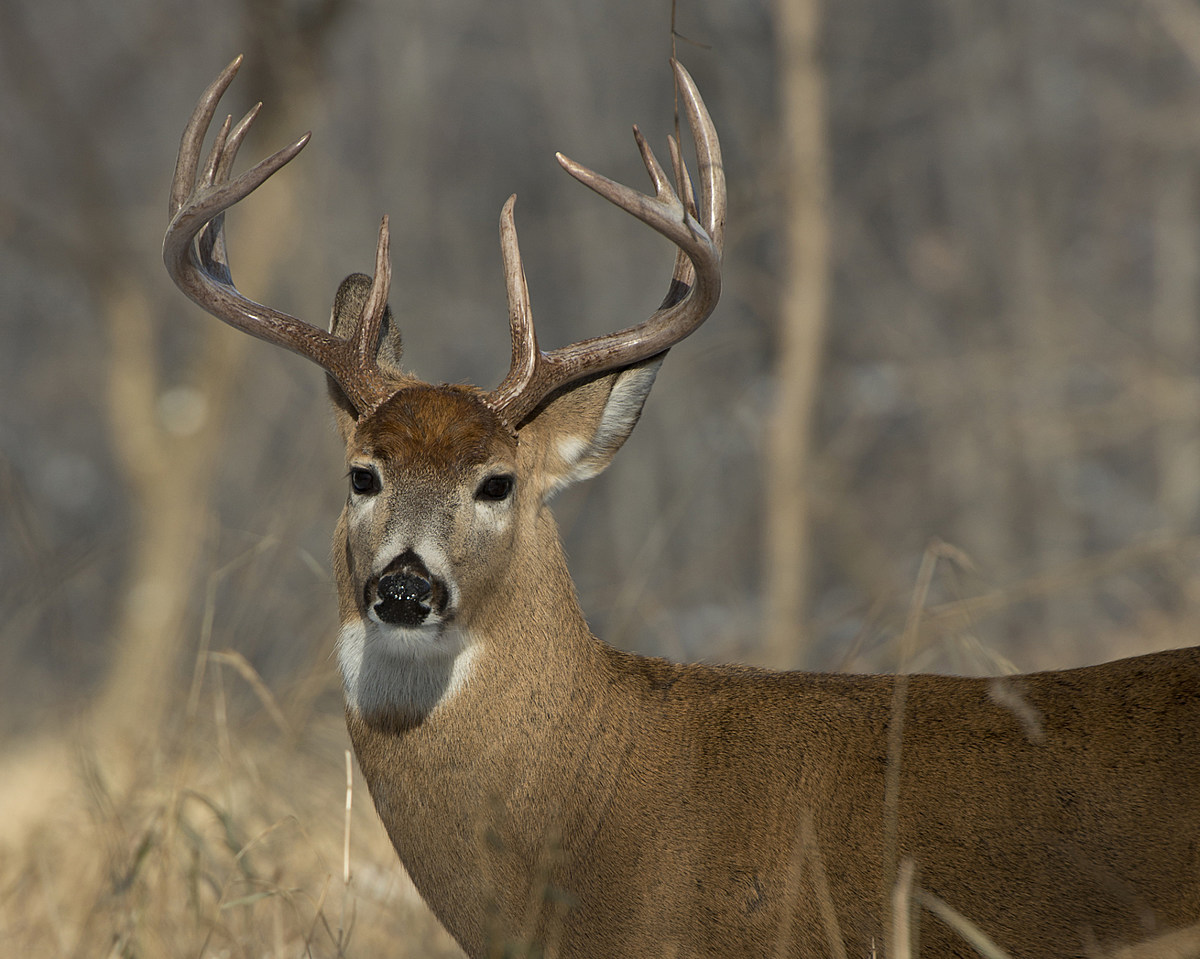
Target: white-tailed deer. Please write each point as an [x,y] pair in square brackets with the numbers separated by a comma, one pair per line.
[547,791]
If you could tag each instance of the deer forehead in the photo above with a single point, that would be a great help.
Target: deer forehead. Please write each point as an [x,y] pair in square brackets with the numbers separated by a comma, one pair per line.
[438,429]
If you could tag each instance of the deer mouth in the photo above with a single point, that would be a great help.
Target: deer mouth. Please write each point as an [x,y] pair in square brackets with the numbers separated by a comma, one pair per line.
[406,593]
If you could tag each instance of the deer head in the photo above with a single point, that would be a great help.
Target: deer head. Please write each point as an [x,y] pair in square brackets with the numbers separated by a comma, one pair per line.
[447,483]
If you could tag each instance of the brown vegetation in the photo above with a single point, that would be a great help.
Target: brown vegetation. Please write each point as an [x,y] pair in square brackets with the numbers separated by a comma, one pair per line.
[227,840]
[1011,365]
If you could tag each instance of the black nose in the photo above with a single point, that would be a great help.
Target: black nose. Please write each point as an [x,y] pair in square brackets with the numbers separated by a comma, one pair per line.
[403,598]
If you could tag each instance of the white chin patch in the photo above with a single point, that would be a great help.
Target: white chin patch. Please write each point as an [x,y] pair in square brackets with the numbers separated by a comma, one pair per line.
[411,669]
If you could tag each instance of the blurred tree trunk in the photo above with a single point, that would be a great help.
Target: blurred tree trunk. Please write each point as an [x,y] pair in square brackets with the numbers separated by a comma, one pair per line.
[803,306]
[1177,343]
[166,431]
[166,435]
[167,444]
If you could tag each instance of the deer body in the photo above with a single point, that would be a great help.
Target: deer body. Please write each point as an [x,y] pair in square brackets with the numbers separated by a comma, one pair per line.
[735,790]
[563,792]
[551,795]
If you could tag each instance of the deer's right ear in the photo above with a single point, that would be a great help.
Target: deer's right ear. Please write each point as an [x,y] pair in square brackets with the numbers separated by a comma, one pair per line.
[579,430]
[348,306]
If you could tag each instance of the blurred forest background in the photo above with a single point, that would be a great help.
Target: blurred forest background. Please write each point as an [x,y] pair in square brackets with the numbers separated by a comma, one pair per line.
[955,370]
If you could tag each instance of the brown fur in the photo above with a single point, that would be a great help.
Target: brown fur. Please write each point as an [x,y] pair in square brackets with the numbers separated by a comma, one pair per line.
[667,804]
[596,803]
[437,428]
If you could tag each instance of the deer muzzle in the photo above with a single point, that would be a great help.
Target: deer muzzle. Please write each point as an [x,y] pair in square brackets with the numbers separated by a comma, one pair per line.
[406,594]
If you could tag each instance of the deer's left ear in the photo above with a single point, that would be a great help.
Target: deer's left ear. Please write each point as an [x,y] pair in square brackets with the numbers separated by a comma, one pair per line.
[348,305]
[576,433]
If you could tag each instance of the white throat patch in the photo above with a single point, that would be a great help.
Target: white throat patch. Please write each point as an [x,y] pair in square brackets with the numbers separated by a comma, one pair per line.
[388,668]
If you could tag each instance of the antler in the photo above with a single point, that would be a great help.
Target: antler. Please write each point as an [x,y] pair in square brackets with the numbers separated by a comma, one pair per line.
[195,255]
[695,282]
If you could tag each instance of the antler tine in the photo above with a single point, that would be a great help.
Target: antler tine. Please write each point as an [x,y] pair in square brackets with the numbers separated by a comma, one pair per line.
[195,254]
[213,253]
[525,352]
[366,332]
[696,283]
[684,274]
[710,168]
[186,164]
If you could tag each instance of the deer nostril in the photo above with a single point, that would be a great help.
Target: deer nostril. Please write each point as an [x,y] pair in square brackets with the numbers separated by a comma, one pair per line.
[403,598]
[405,586]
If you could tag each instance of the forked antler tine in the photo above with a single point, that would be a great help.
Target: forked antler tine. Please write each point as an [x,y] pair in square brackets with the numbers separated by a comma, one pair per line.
[651,210]
[213,252]
[192,141]
[695,287]
[209,200]
[675,219]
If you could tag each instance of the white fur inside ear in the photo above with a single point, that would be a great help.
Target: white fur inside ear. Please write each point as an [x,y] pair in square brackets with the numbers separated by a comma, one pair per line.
[571,450]
[621,413]
[584,459]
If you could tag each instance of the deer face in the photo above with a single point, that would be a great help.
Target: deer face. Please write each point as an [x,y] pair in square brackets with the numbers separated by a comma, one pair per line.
[442,501]
[429,521]
[427,532]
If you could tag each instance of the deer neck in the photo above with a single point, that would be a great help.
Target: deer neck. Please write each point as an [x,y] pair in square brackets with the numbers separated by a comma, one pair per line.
[523,653]
[473,787]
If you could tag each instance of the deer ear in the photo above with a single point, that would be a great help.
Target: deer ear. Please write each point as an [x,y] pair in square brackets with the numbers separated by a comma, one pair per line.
[348,305]
[579,429]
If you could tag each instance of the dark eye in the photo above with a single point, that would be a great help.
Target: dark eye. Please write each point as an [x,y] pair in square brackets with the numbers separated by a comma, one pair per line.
[495,488]
[363,480]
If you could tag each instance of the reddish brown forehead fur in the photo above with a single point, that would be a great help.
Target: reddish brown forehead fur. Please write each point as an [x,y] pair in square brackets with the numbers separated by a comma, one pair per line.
[440,426]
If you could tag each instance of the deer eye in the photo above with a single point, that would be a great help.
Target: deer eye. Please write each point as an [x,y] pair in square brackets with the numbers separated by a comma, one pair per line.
[495,488]
[363,480]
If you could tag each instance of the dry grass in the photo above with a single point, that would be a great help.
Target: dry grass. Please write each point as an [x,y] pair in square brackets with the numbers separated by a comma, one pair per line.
[227,835]
[228,841]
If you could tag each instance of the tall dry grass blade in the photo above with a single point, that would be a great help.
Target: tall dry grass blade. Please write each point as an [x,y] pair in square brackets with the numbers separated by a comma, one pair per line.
[829,920]
[318,917]
[971,933]
[791,893]
[950,617]
[341,942]
[214,580]
[901,932]
[806,851]
[231,657]
[891,788]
